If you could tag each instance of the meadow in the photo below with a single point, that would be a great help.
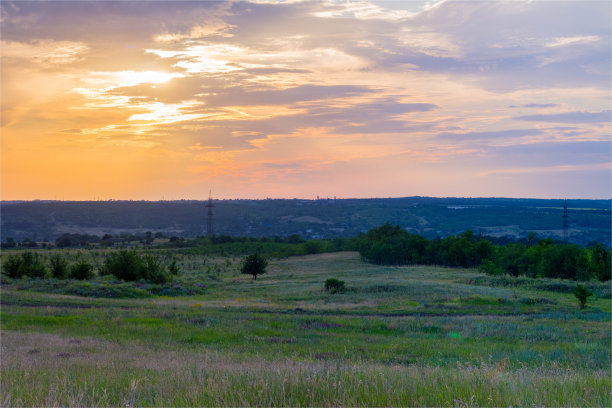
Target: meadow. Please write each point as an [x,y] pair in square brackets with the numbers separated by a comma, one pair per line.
[397,336]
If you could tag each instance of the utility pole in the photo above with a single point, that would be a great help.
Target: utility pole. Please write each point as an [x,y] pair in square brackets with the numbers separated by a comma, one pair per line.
[210,206]
[565,231]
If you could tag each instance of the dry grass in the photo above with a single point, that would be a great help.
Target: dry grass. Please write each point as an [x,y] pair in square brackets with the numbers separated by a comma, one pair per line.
[50,370]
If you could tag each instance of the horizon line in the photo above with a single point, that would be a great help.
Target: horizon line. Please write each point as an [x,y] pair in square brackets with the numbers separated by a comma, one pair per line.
[318,198]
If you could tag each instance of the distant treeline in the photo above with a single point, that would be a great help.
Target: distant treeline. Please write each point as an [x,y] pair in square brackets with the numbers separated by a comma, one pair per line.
[391,245]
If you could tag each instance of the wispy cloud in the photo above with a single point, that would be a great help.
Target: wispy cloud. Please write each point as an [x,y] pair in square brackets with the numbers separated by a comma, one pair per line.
[45,52]
[575,40]
[570,117]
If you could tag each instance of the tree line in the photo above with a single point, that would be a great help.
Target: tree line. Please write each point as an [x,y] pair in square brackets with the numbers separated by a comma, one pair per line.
[391,245]
[127,265]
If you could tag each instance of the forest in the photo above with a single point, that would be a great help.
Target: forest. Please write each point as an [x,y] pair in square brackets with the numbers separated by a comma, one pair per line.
[534,258]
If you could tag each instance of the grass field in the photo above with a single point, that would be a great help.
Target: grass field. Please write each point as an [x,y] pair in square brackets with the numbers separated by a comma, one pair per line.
[397,336]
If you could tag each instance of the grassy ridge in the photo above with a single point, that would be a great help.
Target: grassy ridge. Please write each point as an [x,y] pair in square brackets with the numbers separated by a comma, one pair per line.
[397,336]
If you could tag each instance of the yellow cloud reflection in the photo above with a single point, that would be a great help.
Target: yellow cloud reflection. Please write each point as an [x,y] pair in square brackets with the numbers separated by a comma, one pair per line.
[163,113]
[109,80]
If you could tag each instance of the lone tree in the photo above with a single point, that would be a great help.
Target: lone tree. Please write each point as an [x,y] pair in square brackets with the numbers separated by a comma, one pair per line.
[254,265]
[582,293]
[333,285]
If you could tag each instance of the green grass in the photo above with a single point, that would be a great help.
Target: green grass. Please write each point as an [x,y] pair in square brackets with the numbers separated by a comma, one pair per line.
[397,336]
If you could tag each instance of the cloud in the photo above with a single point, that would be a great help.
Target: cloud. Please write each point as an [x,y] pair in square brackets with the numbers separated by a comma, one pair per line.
[570,117]
[45,52]
[536,105]
[246,91]
[580,39]
[492,135]
[549,169]
[215,28]
[198,147]
[245,97]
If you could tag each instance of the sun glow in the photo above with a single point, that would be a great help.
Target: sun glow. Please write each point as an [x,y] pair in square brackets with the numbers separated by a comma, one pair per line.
[163,113]
[130,78]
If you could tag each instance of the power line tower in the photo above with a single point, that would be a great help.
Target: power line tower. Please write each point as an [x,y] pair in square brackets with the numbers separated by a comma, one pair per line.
[565,229]
[210,205]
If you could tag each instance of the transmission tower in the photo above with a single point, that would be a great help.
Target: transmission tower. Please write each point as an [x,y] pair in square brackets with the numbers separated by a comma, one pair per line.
[210,206]
[565,232]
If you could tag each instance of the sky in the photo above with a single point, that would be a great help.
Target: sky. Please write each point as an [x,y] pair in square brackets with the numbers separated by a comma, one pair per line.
[157,100]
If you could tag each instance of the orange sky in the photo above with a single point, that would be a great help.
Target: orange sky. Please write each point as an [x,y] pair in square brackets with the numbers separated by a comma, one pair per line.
[166,100]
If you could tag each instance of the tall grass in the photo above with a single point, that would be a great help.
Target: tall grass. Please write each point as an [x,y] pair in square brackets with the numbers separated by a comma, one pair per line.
[397,336]
[50,370]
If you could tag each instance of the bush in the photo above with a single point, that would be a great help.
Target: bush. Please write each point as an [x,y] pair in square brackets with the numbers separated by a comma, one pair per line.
[313,247]
[12,266]
[58,266]
[333,285]
[81,270]
[582,293]
[28,264]
[254,265]
[129,266]
[126,265]
[155,271]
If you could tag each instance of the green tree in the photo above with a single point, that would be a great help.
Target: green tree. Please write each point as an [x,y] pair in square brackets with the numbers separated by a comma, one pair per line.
[81,270]
[599,262]
[125,264]
[58,266]
[582,293]
[333,285]
[155,271]
[254,264]
[28,264]
[12,266]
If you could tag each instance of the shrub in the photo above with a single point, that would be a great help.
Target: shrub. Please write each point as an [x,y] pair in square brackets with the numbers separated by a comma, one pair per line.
[488,267]
[33,265]
[582,293]
[173,268]
[313,247]
[129,266]
[125,264]
[254,265]
[155,271]
[28,264]
[12,266]
[333,285]
[81,270]
[58,266]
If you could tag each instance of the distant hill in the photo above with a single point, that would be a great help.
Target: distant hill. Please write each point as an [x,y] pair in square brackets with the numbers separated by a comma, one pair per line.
[589,220]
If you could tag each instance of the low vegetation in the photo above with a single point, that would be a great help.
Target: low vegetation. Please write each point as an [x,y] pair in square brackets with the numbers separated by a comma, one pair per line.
[127,265]
[333,285]
[582,294]
[325,329]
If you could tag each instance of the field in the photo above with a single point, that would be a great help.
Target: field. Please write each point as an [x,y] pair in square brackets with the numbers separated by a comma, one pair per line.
[397,336]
